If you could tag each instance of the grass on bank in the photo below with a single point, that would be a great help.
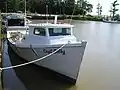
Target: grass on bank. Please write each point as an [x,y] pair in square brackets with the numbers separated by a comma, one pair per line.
[2,36]
[87,17]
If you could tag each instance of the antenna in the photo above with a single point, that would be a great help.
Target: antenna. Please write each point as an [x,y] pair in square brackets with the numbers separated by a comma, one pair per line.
[25,12]
[47,12]
[55,21]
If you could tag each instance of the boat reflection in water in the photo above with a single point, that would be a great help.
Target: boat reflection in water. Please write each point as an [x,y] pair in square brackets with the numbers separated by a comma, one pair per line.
[29,77]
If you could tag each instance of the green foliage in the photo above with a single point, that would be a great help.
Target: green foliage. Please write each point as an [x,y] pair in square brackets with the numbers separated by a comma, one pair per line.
[117,17]
[82,7]
[2,36]
[99,9]
[13,5]
[114,9]
[88,17]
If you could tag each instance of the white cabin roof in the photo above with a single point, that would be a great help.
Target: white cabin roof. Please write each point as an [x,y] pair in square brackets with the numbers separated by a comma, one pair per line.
[52,25]
[15,16]
[17,27]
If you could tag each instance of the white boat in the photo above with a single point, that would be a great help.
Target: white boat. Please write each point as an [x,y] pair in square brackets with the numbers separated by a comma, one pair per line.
[43,39]
[16,22]
[16,19]
[111,21]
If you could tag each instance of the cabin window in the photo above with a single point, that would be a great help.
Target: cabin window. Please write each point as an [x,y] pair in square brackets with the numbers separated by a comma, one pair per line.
[39,31]
[59,31]
[15,22]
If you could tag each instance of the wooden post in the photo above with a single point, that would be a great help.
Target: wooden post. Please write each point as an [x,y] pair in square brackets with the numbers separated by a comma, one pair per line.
[0,49]
[0,32]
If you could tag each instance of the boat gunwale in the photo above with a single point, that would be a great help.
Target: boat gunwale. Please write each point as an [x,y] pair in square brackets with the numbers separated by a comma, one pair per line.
[76,44]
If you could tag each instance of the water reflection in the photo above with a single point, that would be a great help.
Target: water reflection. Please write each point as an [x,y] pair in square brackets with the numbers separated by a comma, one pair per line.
[100,66]
[9,79]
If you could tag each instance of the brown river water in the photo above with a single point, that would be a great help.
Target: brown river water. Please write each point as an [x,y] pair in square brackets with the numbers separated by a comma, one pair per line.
[99,69]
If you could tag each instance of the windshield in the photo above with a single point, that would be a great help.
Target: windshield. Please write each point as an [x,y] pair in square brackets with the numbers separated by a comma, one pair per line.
[39,31]
[59,31]
[16,22]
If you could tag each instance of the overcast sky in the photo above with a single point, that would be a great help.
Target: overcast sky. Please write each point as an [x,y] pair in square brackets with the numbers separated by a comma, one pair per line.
[106,4]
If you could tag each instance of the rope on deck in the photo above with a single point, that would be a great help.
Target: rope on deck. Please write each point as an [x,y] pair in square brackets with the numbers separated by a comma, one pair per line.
[10,67]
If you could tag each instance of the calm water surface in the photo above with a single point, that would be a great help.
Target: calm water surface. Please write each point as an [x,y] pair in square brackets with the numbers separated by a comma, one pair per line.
[99,68]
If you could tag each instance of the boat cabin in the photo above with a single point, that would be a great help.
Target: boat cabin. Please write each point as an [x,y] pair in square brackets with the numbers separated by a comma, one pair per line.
[15,20]
[48,29]
[49,34]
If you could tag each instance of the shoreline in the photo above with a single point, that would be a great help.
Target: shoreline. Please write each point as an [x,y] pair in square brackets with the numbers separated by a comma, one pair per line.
[82,18]
[35,16]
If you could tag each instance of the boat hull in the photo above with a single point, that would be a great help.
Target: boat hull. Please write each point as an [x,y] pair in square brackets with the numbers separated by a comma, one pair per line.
[116,22]
[66,61]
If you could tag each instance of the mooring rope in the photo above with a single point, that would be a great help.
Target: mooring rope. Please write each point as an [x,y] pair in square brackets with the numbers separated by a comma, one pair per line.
[10,67]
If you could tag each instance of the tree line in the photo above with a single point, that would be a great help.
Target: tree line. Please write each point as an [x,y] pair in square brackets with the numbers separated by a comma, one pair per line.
[81,7]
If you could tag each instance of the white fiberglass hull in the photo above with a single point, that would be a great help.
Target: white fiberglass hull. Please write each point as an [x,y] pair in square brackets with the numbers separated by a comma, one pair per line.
[66,61]
[116,22]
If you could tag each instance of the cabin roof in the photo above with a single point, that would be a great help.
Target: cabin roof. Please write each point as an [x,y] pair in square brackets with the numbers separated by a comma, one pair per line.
[52,25]
[17,27]
[15,16]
